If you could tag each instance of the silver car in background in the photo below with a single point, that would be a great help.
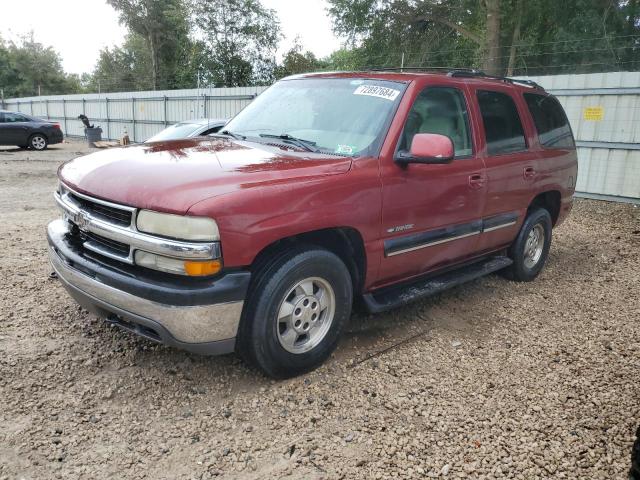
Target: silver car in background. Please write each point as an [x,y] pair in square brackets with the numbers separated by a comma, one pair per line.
[188,129]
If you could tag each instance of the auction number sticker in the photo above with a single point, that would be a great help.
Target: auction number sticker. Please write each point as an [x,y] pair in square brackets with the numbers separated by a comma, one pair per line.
[376,91]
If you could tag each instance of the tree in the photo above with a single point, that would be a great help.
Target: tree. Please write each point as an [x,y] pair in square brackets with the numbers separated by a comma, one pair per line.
[126,68]
[512,36]
[344,59]
[240,37]
[28,68]
[296,61]
[164,27]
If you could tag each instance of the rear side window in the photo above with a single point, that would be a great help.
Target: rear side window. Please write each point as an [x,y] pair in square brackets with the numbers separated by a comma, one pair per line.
[15,117]
[502,125]
[550,121]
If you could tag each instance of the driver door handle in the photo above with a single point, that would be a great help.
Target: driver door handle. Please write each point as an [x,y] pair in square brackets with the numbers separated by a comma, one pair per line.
[476,181]
[529,172]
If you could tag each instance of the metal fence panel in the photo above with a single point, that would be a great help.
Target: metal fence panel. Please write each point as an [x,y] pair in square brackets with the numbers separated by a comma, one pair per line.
[604,112]
[609,172]
[140,114]
[603,109]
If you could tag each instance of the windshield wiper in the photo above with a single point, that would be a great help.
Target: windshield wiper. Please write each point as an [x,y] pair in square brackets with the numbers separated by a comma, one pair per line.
[235,136]
[308,145]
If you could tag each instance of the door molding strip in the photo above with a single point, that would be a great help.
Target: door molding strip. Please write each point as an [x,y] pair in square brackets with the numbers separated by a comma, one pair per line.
[430,238]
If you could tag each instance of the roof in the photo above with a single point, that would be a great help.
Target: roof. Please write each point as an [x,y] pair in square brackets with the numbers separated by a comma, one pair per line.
[406,75]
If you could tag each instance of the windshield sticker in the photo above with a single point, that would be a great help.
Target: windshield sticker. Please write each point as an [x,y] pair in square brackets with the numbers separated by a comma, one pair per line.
[345,149]
[375,91]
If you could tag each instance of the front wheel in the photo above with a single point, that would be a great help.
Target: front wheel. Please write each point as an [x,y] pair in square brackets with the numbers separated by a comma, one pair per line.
[295,312]
[38,142]
[530,250]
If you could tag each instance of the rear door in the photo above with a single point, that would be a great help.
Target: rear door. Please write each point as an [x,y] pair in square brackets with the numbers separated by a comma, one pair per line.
[510,161]
[431,214]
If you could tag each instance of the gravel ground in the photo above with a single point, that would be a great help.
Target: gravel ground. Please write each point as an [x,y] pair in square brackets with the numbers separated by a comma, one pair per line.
[490,380]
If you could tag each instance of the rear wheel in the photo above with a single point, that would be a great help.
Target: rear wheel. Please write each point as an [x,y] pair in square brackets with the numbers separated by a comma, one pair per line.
[296,310]
[530,250]
[38,142]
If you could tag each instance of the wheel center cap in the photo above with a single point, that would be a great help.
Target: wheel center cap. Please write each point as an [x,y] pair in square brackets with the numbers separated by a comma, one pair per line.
[305,314]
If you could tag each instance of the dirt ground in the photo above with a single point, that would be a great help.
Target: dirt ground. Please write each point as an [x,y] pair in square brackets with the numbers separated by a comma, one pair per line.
[490,380]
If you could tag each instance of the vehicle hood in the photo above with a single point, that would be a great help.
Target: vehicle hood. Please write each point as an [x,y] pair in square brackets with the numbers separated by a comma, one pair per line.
[172,176]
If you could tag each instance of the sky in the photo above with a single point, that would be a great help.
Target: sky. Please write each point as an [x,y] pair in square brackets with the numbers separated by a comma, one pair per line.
[79,29]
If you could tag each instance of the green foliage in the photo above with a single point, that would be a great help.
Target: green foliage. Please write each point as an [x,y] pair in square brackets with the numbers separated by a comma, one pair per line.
[296,61]
[126,68]
[28,68]
[240,39]
[548,36]
[164,27]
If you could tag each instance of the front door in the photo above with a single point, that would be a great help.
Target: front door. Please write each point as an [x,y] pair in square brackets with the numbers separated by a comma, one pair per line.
[432,214]
[14,129]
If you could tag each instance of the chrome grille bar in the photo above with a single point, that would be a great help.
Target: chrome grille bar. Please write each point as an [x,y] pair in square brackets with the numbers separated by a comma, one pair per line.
[89,222]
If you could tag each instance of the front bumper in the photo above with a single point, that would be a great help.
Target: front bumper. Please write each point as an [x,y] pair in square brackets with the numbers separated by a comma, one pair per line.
[202,318]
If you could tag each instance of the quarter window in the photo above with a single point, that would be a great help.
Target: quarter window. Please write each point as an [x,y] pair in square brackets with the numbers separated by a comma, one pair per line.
[502,125]
[550,121]
[439,110]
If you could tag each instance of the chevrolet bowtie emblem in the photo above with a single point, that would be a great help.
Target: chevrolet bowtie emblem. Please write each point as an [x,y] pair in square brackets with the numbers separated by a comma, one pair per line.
[81,220]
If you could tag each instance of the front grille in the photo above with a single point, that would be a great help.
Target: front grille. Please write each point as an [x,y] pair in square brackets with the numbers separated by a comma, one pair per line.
[111,246]
[111,214]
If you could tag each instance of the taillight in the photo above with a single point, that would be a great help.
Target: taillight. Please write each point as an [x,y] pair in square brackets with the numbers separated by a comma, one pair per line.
[56,125]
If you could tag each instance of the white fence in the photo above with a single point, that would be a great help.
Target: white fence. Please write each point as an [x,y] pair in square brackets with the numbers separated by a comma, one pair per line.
[140,114]
[604,111]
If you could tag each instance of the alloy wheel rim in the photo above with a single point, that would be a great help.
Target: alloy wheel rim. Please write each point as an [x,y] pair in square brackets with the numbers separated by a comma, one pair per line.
[305,315]
[37,143]
[533,246]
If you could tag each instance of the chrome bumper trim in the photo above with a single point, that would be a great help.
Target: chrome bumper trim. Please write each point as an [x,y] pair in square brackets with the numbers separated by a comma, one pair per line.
[188,324]
[138,240]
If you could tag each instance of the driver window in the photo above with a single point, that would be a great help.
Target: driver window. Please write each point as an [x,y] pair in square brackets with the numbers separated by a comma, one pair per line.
[439,110]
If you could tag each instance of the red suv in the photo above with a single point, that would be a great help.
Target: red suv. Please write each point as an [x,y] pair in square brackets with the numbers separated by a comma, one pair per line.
[379,187]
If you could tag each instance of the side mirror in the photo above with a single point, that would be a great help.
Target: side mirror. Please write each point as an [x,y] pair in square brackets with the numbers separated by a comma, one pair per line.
[430,148]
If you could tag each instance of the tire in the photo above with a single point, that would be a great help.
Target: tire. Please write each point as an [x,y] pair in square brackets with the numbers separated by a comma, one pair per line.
[530,250]
[634,473]
[38,142]
[295,311]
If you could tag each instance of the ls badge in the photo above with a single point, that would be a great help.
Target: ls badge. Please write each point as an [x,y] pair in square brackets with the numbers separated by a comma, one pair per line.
[400,228]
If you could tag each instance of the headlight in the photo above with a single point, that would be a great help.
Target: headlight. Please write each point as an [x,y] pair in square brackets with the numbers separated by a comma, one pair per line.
[191,268]
[178,226]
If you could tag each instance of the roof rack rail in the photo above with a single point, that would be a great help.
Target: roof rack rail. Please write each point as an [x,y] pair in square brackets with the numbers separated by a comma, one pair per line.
[458,72]
[480,73]
[420,69]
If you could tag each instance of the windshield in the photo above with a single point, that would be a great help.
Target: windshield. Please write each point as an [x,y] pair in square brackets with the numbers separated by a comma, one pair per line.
[340,116]
[174,132]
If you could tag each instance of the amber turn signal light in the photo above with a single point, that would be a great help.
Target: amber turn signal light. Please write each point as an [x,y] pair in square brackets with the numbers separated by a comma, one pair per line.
[201,269]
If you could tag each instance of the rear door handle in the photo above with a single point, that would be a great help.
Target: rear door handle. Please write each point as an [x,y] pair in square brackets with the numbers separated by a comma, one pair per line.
[476,181]
[529,172]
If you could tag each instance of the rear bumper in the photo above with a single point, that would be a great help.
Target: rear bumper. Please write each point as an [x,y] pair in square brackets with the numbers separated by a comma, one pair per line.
[566,204]
[201,318]
[55,136]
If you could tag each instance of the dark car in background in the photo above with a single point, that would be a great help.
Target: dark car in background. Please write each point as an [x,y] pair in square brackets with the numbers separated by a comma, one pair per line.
[25,131]
[189,129]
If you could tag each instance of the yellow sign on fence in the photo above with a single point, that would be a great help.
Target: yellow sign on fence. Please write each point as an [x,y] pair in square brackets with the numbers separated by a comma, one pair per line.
[593,113]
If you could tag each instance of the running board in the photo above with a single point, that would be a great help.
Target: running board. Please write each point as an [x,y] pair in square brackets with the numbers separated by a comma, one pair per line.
[397,295]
